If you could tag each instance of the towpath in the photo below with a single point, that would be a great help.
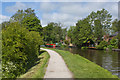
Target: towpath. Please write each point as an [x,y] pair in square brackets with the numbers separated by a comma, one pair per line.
[56,66]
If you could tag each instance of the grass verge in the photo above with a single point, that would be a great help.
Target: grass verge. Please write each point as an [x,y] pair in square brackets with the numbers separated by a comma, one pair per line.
[82,67]
[38,71]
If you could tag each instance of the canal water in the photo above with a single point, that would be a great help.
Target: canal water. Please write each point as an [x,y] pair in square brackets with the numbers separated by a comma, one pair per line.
[107,59]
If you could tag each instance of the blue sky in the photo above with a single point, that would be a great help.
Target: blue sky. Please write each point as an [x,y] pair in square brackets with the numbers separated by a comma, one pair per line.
[67,13]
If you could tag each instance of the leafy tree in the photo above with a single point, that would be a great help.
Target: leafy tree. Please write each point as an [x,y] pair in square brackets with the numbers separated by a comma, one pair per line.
[20,49]
[28,19]
[32,24]
[116,28]
[5,24]
[21,14]
[98,30]
[84,29]
[80,33]
[54,32]
[100,19]
[70,33]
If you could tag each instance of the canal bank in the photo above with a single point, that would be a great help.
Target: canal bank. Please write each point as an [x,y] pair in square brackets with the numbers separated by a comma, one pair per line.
[107,59]
[83,68]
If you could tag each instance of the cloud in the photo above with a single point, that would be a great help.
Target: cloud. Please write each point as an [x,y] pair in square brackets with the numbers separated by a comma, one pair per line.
[67,13]
[47,7]
[4,18]
[65,19]
[14,8]
[60,0]
[70,13]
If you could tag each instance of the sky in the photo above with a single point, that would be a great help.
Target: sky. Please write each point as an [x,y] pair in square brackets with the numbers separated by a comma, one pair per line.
[64,11]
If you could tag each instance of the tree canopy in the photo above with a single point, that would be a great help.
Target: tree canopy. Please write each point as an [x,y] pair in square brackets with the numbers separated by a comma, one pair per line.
[53,32]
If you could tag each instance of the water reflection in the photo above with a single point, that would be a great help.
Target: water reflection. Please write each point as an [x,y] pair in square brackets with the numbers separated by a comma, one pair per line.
[106,59]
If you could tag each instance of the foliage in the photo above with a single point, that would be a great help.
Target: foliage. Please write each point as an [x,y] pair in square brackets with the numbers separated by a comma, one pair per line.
[32,24]
[5,24]
[21,14]
[63,46]
[19,49]
[102,45]
[116,28]
[66,42]
[100,22]
[70,33]
[54,32]
[110,47]
[80,33]
[84,47]
[94,26]
[114,43]
[38,71]
[98,30]
[28,19]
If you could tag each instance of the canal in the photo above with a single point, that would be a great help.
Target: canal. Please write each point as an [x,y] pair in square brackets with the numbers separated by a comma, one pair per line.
[106,59]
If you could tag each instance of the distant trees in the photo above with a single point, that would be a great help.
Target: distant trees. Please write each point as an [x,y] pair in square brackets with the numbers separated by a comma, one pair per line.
[80,33]
[116,28]
[100,22]
[53,32]
[94,26]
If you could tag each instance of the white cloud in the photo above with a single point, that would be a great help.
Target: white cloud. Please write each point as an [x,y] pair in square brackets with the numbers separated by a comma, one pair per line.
[14,8]
[67,13]
[4,18]
[70,13]
[47,7]
[60,0]
[65,19]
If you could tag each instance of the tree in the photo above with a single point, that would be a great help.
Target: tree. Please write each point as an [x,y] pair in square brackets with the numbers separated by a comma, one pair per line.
[84,29]
[80,33]
[100,22]
[28,19]
[20,49]
[70,33]
[115,26]
[53,32]
[98,30]
[21,14]
[5,24]
[32,24]
[116,29]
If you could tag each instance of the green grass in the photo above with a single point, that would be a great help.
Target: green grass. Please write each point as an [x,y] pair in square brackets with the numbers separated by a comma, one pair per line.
[82,67]
[38,71]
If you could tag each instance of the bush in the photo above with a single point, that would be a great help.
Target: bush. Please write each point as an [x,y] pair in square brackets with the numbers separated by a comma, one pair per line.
[84,47]
[19,49]
[102,45]
[110,47]
[66,42]
[104,48]
[114,43]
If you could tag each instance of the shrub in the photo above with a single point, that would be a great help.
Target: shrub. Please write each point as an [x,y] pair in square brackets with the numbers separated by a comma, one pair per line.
[66,42]
[104,48]
[110,47]
[114,43]
[102,45]
[19,49]
[84,47]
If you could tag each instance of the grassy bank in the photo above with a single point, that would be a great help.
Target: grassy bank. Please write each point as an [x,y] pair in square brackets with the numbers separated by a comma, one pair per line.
[38,71]
[83,68]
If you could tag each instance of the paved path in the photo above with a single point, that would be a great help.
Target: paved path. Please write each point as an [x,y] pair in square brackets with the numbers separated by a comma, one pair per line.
[56,66]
